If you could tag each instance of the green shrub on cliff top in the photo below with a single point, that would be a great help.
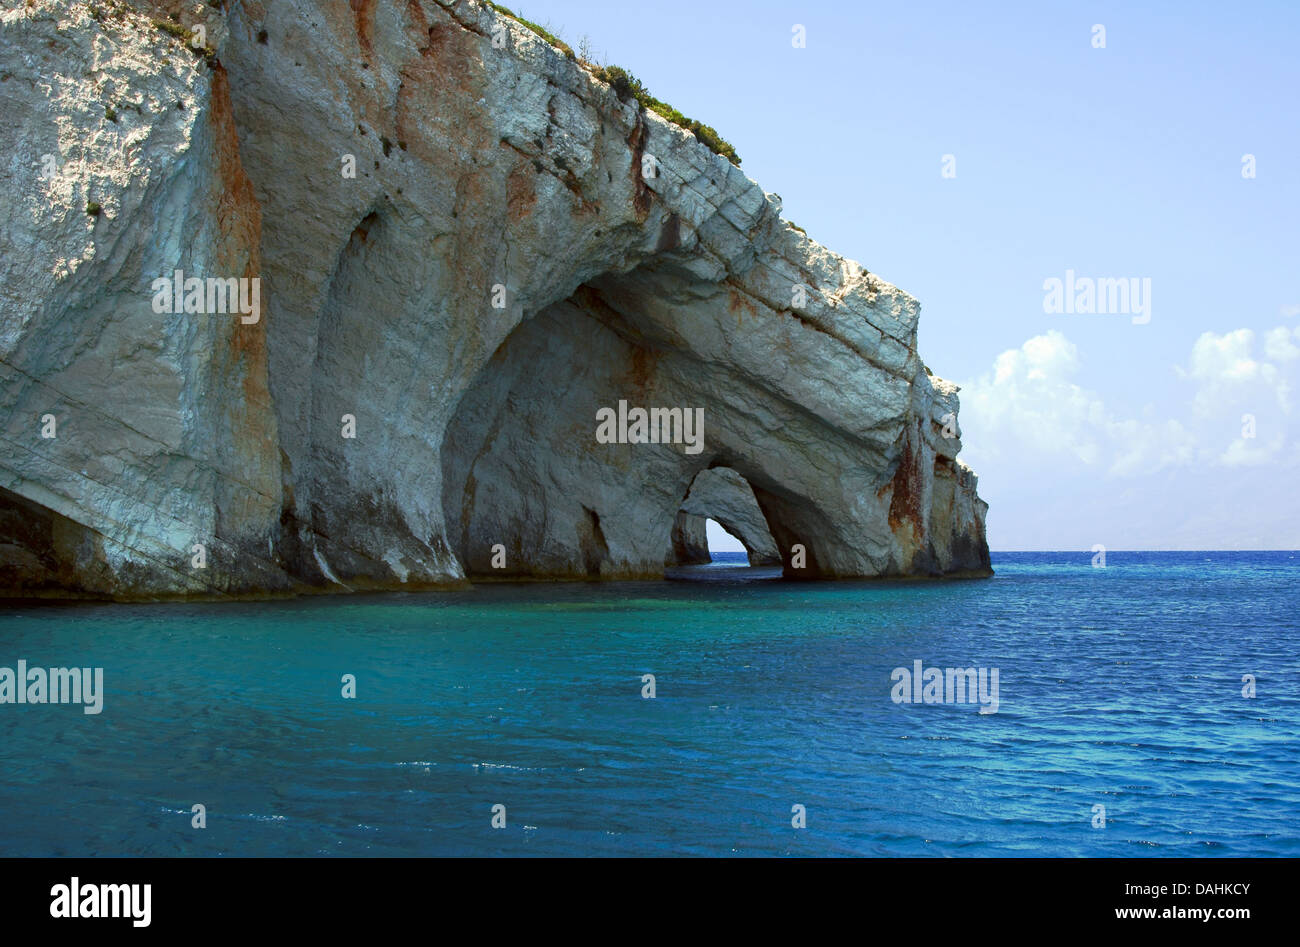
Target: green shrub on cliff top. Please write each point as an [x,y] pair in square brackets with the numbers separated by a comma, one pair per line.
[628,86]
[541,31]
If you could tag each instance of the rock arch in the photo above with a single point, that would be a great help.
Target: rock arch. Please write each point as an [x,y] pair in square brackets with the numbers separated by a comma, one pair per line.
[523,468]
[723,495]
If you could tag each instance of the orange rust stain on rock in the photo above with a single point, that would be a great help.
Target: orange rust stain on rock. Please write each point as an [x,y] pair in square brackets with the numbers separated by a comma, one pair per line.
[904,505]
[738,302]
[521,190]
[441,43]
[361,233]
[417,14]
[642,195]
[239,218]
[644,362]
[363,11]
[445,80]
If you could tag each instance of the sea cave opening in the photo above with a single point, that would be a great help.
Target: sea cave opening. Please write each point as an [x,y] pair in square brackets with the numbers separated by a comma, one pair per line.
[534,487]
[720,523]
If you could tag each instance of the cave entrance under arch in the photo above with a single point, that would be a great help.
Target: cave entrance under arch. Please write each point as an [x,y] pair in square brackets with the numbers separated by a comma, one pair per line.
[723,496]
[530,492]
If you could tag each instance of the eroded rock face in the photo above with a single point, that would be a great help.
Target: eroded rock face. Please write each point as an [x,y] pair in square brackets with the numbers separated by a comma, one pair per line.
[482,176]
[690,541]
[164,435]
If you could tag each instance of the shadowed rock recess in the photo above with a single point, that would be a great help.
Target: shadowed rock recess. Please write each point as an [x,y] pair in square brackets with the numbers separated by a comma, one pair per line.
[482,175]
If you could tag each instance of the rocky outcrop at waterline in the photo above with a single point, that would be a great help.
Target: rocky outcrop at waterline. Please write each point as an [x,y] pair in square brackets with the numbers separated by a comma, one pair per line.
[334,295]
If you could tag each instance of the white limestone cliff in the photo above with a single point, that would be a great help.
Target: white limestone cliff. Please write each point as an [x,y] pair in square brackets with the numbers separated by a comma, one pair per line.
[482,173]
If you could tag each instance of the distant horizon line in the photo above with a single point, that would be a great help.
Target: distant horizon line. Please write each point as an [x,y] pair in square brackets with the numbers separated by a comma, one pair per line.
[1084,552]
[1109,550]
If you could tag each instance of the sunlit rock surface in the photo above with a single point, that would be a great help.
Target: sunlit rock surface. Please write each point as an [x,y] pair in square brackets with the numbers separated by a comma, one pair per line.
[497,271]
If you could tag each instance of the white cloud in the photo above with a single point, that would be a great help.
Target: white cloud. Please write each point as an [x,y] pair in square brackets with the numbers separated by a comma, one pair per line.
[1029,404]
[1225,370]
[1247,452]
[1198,456]
[1279,344]
[1239,391]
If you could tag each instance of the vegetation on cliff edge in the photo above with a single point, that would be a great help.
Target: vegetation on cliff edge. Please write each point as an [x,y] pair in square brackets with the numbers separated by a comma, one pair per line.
[628,86]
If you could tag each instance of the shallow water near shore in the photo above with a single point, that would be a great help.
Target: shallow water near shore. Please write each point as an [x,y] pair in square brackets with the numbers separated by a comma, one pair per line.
[1119,687]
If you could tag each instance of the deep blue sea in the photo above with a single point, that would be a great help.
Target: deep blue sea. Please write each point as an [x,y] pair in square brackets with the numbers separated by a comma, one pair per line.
[1119,687]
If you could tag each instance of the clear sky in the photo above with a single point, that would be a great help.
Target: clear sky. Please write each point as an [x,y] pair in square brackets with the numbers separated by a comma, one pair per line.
[1117,162]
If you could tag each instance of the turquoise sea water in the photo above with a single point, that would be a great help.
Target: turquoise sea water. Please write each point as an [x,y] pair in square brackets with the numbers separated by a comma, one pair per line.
[1119,687]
